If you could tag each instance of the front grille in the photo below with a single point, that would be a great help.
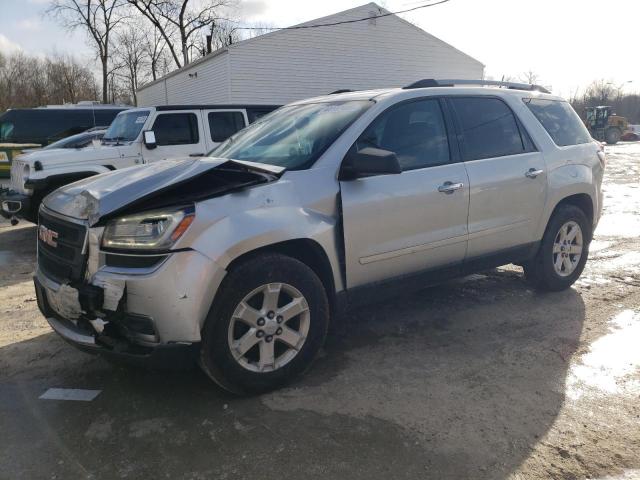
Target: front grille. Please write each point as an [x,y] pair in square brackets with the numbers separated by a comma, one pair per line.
[64,262]
[17,181]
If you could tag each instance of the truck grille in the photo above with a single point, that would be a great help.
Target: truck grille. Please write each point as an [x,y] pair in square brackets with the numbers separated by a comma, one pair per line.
[17,182]
[61,259]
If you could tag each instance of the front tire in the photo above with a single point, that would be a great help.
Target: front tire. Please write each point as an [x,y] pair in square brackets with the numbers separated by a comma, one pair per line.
[613,135]
[563,251]
[266,325]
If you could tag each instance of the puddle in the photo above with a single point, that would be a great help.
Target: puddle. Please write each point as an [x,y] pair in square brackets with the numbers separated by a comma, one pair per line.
[610,361]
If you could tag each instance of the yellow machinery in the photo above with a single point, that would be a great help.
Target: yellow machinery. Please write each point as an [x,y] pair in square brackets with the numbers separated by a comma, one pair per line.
[605,126]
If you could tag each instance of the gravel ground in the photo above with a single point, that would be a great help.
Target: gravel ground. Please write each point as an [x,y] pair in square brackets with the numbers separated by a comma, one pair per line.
[478,378]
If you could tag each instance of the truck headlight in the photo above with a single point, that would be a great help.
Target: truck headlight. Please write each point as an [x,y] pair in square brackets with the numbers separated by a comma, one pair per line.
[154,230]
[25,172]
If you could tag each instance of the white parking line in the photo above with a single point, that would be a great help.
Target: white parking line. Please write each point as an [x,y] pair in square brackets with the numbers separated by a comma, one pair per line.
[75,394]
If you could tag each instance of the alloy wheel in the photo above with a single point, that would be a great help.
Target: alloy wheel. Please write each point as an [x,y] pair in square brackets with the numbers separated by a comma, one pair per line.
[269,327]
[567,248]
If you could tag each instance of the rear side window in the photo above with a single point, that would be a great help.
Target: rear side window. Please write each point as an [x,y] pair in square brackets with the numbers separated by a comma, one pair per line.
[176,129]
[560,121]
[414,131]
[43,125]
[488,127]
[224,124]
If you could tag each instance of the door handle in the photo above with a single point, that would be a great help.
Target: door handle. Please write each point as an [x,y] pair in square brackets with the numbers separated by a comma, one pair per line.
[450,187]
[533,173]
[196,154]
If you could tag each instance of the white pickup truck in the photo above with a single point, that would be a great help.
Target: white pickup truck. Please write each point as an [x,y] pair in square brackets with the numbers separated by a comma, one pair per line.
[136,136]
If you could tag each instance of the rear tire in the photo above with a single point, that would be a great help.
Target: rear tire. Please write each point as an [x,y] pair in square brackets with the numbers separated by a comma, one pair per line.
[266,325]
[563,251]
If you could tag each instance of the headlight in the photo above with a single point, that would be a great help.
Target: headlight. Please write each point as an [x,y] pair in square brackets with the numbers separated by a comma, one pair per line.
[155,230]
[25,171]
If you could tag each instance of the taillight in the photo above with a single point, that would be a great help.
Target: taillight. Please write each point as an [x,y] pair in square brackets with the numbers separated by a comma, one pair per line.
[601,155]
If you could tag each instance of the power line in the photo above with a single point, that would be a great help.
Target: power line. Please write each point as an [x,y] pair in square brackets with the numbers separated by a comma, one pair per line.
[300,27]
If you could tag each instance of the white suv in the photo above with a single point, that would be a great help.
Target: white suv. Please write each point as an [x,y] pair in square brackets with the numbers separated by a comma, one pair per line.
[243,258]
[136,136]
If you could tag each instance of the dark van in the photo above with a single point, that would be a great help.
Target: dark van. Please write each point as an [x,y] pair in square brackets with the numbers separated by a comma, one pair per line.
[23,128]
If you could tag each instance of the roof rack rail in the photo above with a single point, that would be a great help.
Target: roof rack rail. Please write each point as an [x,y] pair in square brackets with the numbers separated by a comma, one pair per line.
[430,82]
[342,90]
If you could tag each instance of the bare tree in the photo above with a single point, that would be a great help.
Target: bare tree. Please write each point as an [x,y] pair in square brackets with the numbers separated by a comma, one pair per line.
[130,58]
[602,91]
[154,48]
[30,81]
[100,18]
[179,21]
[530,77]
[222,34]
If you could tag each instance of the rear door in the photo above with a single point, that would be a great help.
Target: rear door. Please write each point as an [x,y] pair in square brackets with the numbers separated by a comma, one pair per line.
[178,134]
[221,124]
[507,176]
[416,220]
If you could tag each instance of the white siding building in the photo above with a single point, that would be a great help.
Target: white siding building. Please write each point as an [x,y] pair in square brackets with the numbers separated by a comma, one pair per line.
[288,65]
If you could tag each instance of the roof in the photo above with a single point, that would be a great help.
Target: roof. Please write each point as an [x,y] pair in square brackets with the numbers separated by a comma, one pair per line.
[214,107]
[435,90]
[321,20]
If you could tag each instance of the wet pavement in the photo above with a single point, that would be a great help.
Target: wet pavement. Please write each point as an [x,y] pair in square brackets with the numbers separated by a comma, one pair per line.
[478,378]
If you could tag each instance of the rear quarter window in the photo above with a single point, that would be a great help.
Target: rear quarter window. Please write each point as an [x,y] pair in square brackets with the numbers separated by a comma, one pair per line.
[560,121]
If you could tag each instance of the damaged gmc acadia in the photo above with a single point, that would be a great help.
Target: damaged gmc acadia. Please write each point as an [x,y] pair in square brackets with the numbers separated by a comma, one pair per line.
[240,259]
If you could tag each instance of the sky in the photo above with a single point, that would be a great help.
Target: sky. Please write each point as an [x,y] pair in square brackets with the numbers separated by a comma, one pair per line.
[567,43]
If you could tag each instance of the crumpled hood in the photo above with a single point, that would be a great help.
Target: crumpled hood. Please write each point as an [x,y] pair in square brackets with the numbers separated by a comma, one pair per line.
[95,197]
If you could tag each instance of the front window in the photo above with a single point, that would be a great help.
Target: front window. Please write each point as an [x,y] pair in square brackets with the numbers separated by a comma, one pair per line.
[293,137]
[176,129]
[126,126]
[7,127]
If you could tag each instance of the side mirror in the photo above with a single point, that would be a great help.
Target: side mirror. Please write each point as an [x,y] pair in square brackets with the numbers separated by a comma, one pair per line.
[149,139]
[369,161]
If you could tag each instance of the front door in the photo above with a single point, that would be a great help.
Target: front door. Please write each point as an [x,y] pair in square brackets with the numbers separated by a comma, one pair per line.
[399,224]
[177,135]
[507,176]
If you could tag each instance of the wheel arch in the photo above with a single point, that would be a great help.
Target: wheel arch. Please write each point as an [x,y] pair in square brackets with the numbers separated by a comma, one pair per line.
[583,201]
[307,251]
[573,184]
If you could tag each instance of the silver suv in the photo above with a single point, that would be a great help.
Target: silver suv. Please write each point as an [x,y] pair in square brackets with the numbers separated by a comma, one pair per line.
[243,258]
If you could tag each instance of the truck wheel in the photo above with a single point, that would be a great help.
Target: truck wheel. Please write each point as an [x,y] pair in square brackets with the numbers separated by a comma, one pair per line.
[612,136]
[563,251]
[266,325]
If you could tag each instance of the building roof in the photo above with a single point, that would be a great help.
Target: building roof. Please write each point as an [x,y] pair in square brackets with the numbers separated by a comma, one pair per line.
[317,21]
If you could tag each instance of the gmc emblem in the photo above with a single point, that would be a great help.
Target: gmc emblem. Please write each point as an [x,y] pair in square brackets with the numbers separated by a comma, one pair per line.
[47,236]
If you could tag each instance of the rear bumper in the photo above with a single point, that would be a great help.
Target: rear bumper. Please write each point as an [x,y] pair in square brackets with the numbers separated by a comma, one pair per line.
[84,336]
[14,204]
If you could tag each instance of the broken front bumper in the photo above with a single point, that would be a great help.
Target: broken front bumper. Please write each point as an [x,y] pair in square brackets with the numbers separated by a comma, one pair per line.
[134,313]
[111,343]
